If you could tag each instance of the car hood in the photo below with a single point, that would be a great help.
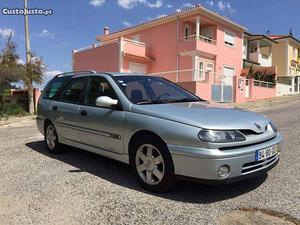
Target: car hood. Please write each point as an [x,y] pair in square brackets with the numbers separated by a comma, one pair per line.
[204,115]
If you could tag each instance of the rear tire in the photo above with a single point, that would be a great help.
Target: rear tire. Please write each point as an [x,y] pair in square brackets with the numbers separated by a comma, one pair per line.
[51,139]
[152,164]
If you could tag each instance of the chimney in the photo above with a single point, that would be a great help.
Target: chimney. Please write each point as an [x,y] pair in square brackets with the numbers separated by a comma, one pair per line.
[106,31]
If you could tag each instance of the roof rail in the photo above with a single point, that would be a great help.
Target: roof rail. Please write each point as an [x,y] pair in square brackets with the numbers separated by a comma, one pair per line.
[77,72]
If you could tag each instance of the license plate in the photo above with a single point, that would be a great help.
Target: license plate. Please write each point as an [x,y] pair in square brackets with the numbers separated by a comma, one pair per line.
[266,153]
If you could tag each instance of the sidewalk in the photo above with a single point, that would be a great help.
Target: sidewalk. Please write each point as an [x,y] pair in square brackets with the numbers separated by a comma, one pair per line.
[266,104]
[12,120]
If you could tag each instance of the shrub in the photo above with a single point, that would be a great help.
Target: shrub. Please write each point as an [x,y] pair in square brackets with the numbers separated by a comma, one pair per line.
[13,108]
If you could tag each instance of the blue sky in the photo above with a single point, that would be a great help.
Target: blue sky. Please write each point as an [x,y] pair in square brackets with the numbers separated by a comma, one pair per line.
[75,24]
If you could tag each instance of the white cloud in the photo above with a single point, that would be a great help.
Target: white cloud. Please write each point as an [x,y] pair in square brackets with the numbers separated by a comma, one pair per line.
[169,6]
[63,44]
[187,4]
[209,2]
[21,61]
[222,5]
[5,32]
[178,10]
[46,34]
[50,74]
[130,4]
[149,18]
[126,23]
[97,3]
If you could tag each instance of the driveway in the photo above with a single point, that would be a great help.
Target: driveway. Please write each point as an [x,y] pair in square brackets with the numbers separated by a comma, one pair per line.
[78,187]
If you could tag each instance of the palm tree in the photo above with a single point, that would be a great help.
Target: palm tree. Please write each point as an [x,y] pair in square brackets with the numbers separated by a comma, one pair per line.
[34,74]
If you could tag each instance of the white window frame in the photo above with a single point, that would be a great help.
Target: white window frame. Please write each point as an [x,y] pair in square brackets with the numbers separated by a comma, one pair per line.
[212,68]
[189,29]
[229,34]
[136,37]
[294,52]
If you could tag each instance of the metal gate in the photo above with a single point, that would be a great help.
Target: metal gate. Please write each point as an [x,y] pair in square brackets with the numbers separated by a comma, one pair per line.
[222,88]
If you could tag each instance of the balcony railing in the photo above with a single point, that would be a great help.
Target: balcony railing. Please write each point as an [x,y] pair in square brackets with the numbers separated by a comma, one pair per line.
[136,48]
[262,59]
[199,37]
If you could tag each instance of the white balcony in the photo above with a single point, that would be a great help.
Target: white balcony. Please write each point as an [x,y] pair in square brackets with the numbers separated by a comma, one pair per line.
[262,59]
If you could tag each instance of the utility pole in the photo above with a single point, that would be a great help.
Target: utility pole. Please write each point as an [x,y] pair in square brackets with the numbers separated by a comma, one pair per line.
[28,59]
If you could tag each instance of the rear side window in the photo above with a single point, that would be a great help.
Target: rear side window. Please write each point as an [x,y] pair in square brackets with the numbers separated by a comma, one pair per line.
[54,86]
[73,92]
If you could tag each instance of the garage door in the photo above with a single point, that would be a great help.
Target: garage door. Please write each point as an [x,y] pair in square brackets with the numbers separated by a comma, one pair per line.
[137,67]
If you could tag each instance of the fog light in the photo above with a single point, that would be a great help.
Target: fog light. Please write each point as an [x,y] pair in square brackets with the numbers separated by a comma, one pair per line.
[223,171]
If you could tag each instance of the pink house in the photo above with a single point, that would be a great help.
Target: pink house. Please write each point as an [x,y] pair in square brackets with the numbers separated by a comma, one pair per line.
[196,48]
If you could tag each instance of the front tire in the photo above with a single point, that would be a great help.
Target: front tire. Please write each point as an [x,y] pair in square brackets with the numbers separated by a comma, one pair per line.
[152,164]
[51,139]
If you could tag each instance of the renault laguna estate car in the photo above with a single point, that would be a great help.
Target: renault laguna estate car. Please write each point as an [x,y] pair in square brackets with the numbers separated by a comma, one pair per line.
[163,131]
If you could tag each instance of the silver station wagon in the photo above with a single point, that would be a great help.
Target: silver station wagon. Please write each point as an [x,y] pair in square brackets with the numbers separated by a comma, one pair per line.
[161,130]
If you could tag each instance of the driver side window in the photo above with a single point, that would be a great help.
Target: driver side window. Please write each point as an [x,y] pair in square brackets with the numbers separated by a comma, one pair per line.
[98,87]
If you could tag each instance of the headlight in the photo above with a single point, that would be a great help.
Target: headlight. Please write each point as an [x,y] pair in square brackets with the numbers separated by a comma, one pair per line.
[221,136]
[274,128]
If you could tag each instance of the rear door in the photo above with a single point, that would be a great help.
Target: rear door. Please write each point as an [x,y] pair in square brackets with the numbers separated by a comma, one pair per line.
[66,109]
[101,127]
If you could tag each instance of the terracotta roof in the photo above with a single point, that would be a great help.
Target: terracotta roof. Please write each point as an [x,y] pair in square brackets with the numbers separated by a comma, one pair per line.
[278,37]
[179,13]
[260,36]
[273,36]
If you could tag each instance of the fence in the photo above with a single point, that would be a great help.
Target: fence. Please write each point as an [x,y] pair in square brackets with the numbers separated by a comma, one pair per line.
[207,85]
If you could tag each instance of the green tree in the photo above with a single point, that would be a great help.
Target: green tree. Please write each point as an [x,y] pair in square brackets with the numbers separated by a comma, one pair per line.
[10,69]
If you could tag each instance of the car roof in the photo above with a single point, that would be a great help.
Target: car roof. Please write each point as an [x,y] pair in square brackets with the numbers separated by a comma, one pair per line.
[94,73]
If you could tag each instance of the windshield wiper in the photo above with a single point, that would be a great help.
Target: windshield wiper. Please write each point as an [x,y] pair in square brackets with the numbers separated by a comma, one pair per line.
[148,102]
[180,100]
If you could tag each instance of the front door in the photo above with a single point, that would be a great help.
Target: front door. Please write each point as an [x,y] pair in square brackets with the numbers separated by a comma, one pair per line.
[101,127]
[137,68]
[228,73]
[66,110]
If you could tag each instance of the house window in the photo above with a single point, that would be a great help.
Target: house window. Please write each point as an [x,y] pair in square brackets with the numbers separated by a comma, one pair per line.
[294,51]
[229,39]
[201,69]
[136,37]
[209,67]
[187,31]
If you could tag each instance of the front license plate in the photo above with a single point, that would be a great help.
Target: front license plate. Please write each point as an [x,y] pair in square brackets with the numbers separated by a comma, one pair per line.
[266,153]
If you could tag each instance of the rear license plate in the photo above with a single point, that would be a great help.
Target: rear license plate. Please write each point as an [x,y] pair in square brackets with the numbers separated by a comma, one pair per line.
[266,153]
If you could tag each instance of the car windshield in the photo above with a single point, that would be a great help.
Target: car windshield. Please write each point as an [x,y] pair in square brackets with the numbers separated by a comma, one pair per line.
[153,90]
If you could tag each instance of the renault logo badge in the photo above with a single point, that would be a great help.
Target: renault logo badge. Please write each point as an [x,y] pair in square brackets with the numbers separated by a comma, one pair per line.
[258,126]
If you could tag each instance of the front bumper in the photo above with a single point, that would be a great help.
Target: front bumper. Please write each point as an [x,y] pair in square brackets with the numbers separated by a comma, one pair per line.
[203,163]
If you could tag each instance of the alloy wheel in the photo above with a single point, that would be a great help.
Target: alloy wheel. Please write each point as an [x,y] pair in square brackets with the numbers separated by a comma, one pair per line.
[150,164]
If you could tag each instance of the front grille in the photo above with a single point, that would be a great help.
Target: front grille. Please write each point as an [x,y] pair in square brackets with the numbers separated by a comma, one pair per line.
[243,146]
[249,167]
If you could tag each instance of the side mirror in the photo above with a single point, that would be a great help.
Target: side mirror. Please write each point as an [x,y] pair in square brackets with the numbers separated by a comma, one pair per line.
[106,102]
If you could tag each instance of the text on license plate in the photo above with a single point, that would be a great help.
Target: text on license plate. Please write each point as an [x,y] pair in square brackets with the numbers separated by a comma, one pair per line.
[266,153]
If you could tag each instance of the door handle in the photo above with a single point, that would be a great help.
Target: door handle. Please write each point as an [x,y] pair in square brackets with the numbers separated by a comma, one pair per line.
[54,107]
[83,112]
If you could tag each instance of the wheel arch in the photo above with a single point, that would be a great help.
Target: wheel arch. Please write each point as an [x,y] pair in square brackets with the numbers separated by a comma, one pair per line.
[47,121]
[141,133]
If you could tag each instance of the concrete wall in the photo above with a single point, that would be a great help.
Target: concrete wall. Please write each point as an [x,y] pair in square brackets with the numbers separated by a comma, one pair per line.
[279,58]
[102,58]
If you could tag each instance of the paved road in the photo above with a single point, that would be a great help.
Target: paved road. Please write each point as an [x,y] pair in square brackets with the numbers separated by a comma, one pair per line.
[82,188]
